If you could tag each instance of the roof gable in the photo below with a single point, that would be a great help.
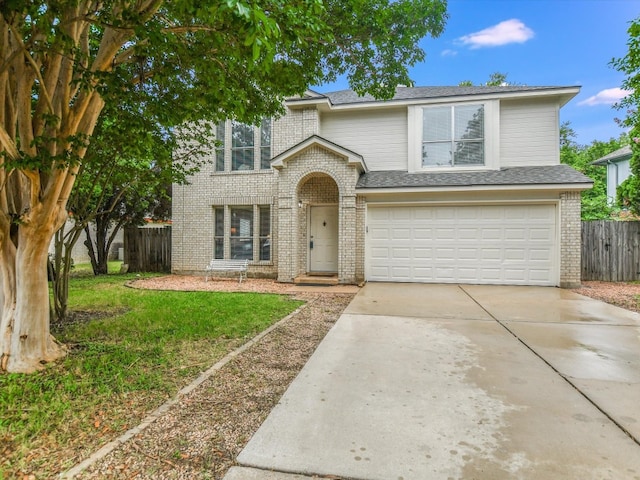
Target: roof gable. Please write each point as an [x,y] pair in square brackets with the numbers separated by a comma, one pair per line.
[352,158]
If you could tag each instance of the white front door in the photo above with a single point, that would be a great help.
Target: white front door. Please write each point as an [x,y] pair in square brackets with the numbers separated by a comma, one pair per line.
[323,239]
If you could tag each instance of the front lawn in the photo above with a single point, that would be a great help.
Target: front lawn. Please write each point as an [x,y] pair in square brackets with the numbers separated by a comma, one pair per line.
[129,351]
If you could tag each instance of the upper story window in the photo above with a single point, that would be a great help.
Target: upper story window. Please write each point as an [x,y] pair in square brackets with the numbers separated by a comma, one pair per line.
[453,136]
[243,147]
[220,130]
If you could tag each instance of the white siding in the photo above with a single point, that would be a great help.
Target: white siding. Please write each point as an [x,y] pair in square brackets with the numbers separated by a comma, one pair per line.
[617,173]
[380,136]
[529,133]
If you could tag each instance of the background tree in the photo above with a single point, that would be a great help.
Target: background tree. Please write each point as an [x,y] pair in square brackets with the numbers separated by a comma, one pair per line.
[630,66]
[62,61]
[496,79]
[126,175]
[594,202]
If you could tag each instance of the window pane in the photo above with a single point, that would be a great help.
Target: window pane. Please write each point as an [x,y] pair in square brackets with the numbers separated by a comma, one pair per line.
[242,249]
[242,232]
[436,124]
[265,132]
[265,143]
[220,146]
[265,157]
[241,146]
[218,241]
[242,135]
[469,153]
[265,232]
[265,249]
[242,159]
[242,221]
[219,248]
[219,222]
[436,154]
[469,122]
[265,221]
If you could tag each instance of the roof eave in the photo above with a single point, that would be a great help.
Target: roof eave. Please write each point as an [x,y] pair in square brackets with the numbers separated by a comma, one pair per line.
[560,187]
[565,94]
[321,103]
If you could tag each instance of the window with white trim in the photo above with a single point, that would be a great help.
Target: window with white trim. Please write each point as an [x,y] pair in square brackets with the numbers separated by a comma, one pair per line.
[453,136]
[244,233]
[249,147]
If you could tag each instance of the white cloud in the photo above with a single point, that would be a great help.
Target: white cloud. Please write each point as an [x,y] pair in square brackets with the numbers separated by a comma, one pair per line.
[608,96]
[509,31]
[448,53]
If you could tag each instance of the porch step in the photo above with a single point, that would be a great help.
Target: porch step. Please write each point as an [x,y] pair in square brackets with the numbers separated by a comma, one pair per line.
[316,280]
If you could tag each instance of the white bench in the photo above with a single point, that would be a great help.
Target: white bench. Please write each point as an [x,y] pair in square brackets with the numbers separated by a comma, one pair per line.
[219,265]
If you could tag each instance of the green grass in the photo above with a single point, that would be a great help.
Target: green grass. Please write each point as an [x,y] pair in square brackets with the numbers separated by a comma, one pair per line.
[129,350]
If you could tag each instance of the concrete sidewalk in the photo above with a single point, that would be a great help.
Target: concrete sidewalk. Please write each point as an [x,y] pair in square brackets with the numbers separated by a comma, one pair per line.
[464,382]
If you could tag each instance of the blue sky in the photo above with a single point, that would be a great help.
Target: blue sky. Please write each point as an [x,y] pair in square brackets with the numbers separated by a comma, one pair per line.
[536,42]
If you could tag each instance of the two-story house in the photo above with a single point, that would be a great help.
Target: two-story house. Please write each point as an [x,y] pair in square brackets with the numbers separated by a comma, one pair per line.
[439,184]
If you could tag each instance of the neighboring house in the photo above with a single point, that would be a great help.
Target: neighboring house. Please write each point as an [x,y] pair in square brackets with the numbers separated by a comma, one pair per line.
[618,170]
[80,252]
[439,184]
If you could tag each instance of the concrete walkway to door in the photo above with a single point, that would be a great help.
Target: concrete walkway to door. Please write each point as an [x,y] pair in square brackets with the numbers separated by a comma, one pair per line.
[461,382]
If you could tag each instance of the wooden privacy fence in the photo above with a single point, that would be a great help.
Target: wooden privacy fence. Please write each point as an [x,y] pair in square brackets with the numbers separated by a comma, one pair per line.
[610,251]
[148,249]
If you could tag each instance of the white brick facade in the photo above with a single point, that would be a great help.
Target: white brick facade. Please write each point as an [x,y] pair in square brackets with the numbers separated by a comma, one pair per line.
[310,170]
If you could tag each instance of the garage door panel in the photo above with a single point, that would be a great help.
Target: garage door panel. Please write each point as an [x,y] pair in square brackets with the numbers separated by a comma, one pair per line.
[470,244]
[466,233]
[514,254]
[401,253]
[515,234]
[423,253]
[543,234]
[400,214]
[401,234]
[380,233]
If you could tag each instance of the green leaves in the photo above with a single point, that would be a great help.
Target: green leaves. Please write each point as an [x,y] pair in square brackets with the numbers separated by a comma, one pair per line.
[595,204]
[629,192]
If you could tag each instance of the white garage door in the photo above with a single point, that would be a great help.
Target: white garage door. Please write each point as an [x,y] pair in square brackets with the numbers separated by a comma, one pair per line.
[489,244]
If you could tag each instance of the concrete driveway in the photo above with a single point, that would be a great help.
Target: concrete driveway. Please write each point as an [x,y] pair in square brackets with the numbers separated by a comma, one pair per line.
[461,382]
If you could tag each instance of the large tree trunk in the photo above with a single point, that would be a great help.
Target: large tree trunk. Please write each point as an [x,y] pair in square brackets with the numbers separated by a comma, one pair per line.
[48,110]
[26,339]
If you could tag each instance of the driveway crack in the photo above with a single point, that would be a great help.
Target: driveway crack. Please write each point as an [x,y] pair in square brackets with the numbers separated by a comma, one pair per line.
[560,374]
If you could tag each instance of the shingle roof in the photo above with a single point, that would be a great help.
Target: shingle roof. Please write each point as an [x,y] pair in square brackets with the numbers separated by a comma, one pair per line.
[620,154]
[543,175]
[343,97]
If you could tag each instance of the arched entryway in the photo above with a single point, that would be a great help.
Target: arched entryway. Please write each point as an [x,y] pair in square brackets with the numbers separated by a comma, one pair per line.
[317,198]
[319,225]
